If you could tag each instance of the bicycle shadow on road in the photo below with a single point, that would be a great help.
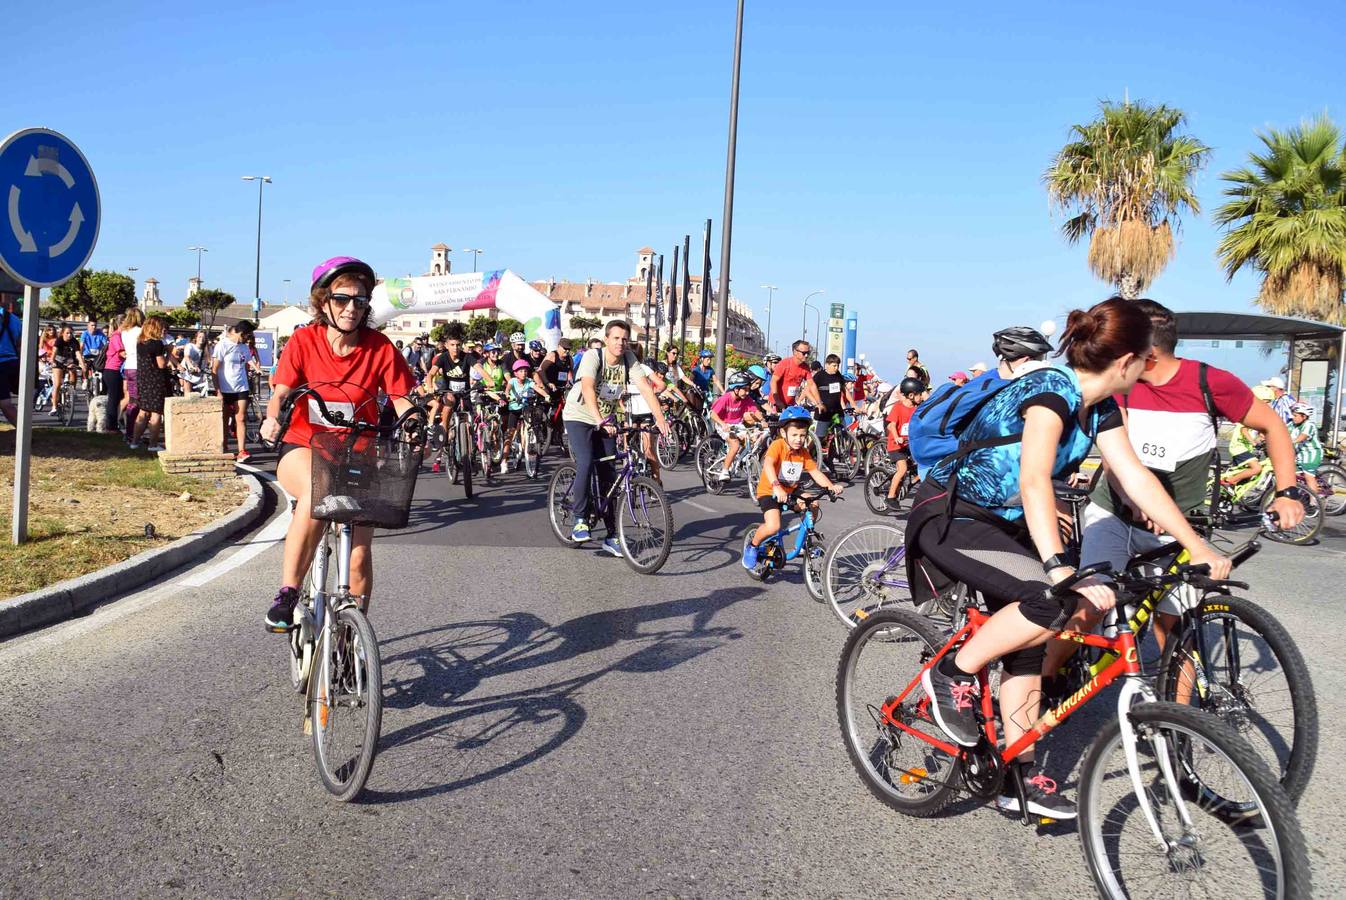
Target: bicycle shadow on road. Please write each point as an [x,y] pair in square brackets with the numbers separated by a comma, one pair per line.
[477,740]
[432,514]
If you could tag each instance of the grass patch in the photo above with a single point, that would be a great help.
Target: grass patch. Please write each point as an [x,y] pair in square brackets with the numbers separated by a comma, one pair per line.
[90,500]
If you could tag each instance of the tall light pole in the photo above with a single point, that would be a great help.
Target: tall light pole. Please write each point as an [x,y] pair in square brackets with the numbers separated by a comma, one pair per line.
[727,231]
[257,285]
[803,313]
[199,251]
[287,290]
[475,254]
[771,293]
[817,324]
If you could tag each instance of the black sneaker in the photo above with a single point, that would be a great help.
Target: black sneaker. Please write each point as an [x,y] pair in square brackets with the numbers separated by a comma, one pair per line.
[280,618]
[1040,792]
[954,704]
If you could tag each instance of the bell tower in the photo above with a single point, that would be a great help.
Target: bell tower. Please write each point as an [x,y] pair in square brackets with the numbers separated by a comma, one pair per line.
[439,259]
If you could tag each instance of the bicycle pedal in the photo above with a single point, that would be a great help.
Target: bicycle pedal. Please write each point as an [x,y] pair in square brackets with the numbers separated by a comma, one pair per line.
[1043,820]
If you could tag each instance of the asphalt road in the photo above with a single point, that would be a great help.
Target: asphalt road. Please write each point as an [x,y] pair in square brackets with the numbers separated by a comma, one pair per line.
[555,724]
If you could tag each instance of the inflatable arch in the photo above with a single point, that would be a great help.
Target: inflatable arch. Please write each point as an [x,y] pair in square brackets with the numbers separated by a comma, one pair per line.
[470,292]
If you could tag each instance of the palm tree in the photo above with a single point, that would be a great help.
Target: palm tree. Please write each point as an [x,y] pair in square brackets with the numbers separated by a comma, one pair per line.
[1126,176]
[1287,220]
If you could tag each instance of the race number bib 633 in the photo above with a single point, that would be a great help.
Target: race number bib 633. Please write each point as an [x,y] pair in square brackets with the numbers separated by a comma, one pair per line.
[1157,454]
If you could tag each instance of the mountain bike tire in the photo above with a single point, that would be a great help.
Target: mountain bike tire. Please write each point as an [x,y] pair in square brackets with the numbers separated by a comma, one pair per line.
[1232,696]
[845,454]
[348,654]
[1278,857]
[852,566]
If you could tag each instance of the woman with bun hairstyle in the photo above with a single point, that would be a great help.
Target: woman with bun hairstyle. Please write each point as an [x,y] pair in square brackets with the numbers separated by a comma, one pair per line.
[347,363]
[986,516]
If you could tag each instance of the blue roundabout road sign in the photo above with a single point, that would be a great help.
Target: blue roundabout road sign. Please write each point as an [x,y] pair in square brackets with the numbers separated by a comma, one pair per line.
[51,204]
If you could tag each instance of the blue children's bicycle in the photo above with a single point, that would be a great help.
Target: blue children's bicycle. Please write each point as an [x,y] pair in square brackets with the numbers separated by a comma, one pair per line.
[774,552]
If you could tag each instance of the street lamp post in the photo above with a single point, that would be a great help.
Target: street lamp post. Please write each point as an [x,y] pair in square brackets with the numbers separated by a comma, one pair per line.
[199,251]
[475,254]
[727,229]
[771,293]
[287,290]
[257,284]
[803,320]
[817,324]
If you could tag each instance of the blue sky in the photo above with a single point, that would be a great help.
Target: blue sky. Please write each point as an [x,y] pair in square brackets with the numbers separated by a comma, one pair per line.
[889,154]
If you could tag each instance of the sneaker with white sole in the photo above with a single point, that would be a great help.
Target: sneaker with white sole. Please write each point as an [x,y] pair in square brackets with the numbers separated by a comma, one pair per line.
[1040,792]
[953,704]
[579,532]
[611,546]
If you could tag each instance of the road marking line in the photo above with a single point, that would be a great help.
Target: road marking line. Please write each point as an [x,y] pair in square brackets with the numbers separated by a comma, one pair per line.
[701,506]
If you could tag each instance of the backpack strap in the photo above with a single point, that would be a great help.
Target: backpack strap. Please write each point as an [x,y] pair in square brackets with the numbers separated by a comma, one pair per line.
[1204,381]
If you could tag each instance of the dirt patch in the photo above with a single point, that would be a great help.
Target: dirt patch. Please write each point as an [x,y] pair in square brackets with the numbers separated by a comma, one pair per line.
[94,502]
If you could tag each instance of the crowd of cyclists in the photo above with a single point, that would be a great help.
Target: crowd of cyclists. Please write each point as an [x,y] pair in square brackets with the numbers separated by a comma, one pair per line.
[986,452]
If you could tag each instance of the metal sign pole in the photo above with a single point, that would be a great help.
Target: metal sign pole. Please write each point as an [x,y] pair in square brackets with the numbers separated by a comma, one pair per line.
[1336,408]
[23,443]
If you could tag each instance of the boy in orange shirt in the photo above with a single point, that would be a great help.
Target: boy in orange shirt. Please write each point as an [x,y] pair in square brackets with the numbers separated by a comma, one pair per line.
[785,464]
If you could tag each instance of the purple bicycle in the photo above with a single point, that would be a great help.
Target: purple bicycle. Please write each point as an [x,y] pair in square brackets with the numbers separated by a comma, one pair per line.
[643,517]
[865,569]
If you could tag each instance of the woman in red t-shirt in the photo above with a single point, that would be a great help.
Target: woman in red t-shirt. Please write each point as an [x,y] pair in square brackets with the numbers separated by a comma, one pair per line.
[348,364]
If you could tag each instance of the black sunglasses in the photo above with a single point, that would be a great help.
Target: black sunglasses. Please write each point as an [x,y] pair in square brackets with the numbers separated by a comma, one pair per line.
[361,301]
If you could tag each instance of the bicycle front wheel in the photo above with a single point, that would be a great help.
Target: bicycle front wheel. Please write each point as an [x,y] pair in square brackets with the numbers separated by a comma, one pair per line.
[865,569]
[529,454]
[879,660]
[1252,677]
[845,454]
[346,703]
[645,525]
[1308,528]
[1332,481]
[876,488]
[1259,853]
[666,448]
[66,403]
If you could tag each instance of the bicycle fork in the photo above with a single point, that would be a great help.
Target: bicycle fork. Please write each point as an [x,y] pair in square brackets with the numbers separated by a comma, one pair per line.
[1132,690]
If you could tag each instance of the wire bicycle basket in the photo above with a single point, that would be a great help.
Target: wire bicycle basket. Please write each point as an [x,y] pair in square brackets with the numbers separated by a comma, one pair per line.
[360,478]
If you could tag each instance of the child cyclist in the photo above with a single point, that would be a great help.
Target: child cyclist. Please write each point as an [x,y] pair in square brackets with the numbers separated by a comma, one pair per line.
[518,394]
[784,466]
[1308,447]
[737,407]
[912,391]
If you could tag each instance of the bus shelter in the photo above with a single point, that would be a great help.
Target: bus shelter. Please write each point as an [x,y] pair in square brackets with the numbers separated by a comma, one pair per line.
[1255,327]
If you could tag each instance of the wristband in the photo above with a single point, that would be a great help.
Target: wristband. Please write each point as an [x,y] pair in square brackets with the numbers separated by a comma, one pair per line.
[1294,492]
[1056,561]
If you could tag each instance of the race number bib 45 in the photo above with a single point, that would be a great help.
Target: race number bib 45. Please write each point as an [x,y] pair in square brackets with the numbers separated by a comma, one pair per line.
[791,472]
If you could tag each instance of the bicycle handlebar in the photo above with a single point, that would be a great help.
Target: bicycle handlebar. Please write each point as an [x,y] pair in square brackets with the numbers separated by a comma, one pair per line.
[338,419]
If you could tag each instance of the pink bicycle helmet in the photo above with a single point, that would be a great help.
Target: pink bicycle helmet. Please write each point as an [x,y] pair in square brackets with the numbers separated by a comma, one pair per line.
[520,364]
[326,272]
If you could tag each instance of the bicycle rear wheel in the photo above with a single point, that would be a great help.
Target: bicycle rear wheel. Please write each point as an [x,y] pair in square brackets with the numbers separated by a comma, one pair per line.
[1252,677]
[708,451]
[346,703]
[558,503]
[645,525]
[1260,854]
[877,663]
[865,569]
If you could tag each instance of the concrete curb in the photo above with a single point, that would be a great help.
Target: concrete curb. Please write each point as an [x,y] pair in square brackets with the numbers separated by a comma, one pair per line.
[67,599]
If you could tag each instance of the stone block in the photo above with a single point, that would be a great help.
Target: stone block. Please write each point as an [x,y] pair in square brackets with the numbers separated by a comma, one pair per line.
[193,425]
[201,465]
